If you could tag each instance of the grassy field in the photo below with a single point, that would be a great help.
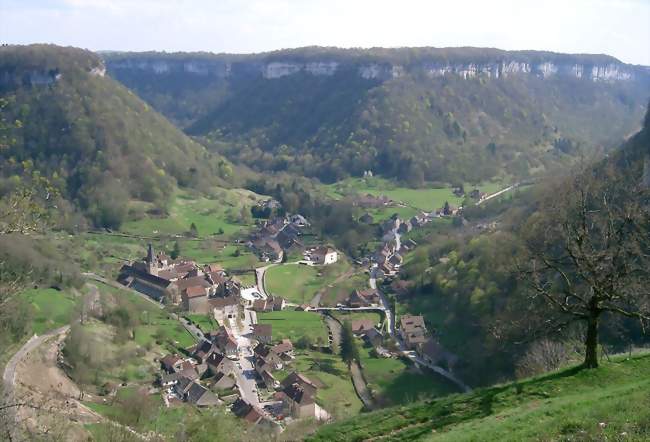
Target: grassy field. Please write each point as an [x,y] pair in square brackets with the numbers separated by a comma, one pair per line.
[50,308]
[336,393]
[299,283]
[217,215]
[294,325]
[570,404]
[426,199]
[339,291]
[130,357]
[393,382]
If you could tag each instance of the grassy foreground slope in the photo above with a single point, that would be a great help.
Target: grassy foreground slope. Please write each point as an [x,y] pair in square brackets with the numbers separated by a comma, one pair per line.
[609,403]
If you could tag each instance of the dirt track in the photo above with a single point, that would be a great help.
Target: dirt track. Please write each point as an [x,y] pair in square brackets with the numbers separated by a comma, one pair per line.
[34,378]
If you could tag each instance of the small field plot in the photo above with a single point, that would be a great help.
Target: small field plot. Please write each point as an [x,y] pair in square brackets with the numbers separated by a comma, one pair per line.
[230,257]
[299,283]
[339,291]
[294,325]
[393,382]
[50,308]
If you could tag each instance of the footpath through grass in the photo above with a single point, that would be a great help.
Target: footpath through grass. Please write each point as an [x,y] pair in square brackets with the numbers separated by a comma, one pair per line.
[569,404]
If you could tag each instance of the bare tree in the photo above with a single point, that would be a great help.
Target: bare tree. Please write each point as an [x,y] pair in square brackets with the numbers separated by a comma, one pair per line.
[589,253]
[543,356]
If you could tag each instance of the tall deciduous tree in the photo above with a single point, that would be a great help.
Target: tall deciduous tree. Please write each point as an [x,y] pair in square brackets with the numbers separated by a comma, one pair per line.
[589,254]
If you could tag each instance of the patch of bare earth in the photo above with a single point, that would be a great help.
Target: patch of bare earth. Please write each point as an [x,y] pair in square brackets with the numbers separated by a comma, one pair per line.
[54,409]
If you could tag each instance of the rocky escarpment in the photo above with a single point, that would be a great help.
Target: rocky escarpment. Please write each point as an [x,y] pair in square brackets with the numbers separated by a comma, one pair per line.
[369,65]
[44,65]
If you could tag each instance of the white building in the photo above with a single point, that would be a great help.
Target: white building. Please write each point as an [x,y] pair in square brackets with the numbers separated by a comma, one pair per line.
[324,255]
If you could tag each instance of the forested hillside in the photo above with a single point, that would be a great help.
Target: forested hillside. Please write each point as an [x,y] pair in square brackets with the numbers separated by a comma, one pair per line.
[97,143]
[415,114]
[472,285]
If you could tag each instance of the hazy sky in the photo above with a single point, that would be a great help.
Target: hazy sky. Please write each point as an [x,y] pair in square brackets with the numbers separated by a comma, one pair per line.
[616,27]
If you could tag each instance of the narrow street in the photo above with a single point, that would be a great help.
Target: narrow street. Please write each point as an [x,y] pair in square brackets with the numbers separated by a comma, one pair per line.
[244,371]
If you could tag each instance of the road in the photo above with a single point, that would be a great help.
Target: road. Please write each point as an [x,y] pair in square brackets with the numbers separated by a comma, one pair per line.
[391,327]
[244,370]
[9,374]
[500,192]
[260,272]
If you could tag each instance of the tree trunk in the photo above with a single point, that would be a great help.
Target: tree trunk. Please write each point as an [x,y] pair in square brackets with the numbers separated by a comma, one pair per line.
[591,343]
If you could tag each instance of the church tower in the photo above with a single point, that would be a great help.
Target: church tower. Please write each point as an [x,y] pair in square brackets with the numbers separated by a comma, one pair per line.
[152,267]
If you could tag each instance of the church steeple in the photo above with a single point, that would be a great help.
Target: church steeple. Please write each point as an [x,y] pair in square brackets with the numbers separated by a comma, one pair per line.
[150,261]
[150,254]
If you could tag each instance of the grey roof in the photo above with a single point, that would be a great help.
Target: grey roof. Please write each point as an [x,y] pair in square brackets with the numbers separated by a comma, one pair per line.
[200,396]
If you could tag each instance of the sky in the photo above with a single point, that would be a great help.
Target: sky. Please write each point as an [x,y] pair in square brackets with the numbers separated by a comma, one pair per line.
[616,27]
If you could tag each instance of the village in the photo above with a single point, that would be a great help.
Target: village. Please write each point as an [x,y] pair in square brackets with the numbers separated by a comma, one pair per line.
[240,364]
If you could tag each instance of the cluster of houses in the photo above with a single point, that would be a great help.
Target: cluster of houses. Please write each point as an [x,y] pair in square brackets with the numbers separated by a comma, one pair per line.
[388,257]
[296,394]
[206,377]
[413,332]
[198,289]
[276,236]
[195,380]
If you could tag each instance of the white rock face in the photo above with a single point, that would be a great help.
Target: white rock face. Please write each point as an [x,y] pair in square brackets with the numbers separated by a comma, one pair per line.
[546,69]
[279,69]
[386,71]
[98,71]
[371,71]
[160,67]
[327,68]
[609,72]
